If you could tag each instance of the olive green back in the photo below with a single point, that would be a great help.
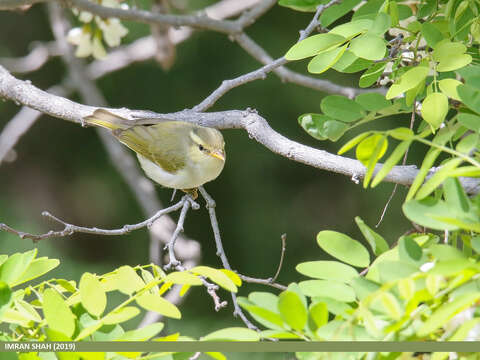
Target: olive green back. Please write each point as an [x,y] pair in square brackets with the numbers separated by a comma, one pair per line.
[165,143]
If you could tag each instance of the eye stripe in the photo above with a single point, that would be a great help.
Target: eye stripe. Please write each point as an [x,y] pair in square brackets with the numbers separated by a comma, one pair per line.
[195,138]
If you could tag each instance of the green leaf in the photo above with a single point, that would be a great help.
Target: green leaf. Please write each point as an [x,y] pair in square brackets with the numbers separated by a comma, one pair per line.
[322,127]
[372,101]
[445,312]
[350,63]
[467,144]
[121,315]
[455,196]
[263,315]
[37,268]
[57,313]
[159,305]
[423,211]
[15,266]
[232,334]
[431,34]
[373,147]
[407,81]
[451,56]
[264,299]
[371,76]
[449,88]
[427,163]
[5,298]
[313,45]
[392,160]
[325,60]
[183,278]
[343,248]
[390,303]
[329,270]
[301,5]
[464,330]
[395,270]
[216,276]
[435,109]
[470,121]
[378,152]
[438,178]
[406,288]
[370,47]
[127,280]
[142,334]
[337,11]
[292,310]
[408,250]
[470,97]
[92,295]
[352,28]
[443,252]
[278,334]
[475,242]
[27,310]
[341,108]
[363,287]
[376,242]
[328,288]
[369,10]
[381,24]
[318,313]
[351,143]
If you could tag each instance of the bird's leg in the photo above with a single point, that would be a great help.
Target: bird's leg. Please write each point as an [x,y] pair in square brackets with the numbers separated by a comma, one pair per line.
[192,192]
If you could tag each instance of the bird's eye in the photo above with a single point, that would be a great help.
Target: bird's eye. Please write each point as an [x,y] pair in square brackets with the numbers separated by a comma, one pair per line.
[201,148]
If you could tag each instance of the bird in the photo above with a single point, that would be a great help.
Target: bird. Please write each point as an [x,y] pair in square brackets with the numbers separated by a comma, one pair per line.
[175,154]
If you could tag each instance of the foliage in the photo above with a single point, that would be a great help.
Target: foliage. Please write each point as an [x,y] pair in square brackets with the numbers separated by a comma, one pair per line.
[62,310]
[432,62]
[418,290]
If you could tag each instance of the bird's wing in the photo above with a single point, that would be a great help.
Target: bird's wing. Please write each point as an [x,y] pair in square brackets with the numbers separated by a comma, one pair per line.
[153,144]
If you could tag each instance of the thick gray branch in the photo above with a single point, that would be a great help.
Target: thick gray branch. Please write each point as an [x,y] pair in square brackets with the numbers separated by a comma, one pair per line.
[25,93]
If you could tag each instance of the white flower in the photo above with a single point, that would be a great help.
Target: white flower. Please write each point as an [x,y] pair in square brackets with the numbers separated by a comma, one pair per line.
[86,43]
[98,50]
[82,39]
[83,16]
[113,30]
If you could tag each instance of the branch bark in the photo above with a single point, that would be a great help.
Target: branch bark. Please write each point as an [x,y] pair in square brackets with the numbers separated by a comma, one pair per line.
[257,127]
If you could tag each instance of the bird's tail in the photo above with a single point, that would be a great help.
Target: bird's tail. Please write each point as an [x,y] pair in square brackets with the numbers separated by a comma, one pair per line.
[107,120]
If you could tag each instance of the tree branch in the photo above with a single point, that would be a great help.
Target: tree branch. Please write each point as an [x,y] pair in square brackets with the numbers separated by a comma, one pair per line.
[257,127]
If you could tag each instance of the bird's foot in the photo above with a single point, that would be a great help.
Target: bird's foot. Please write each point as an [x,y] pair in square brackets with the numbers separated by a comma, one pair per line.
[192,192]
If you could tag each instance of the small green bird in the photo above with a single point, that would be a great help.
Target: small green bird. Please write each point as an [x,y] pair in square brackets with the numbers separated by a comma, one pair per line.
[175,154]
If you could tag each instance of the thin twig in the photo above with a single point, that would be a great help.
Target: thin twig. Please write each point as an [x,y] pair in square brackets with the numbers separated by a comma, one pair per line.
[270,281]
[70,229]
[187,203]
[284,246]
[221,253]
[260,73]
[404,161]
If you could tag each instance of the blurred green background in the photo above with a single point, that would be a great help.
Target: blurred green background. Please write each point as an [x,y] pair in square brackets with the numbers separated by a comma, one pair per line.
[63,168]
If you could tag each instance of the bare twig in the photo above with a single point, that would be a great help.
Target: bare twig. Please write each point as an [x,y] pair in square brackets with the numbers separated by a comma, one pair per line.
[270,281]
[34,60]
[404,161]
[221,253]
[187,203]
[284,245]
[256,51]
[69,229]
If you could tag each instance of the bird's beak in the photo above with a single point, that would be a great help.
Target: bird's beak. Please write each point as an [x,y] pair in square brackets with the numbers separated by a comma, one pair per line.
[219,154]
